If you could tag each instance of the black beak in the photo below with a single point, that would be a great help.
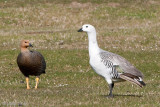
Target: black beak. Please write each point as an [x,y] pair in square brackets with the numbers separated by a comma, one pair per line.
[30,45]
[80,30]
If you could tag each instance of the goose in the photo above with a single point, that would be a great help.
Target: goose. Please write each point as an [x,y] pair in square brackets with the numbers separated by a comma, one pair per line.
[30,62]
[114,68]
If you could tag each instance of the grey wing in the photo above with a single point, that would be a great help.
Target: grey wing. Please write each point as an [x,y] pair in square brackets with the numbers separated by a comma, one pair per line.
[117,60]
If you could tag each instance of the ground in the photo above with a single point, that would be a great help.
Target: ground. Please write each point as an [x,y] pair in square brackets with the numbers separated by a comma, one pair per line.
[130,28]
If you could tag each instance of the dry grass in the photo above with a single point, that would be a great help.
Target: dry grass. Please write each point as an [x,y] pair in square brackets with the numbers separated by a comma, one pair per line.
[130,28]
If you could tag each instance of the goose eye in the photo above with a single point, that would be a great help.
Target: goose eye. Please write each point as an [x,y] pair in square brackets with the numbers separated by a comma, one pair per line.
[86,26]
[25,42]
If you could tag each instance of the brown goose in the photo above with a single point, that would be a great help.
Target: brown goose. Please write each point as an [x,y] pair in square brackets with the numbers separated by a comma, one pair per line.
[30,62]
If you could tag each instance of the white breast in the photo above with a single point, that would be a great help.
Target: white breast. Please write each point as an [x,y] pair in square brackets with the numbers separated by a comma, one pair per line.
[99,67]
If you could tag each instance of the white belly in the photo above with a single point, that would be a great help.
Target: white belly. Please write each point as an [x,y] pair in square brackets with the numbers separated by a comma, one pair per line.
[102,70]
[99,67]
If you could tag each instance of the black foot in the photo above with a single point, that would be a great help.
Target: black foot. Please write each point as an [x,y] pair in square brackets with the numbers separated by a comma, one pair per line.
[111,88]
[110,96]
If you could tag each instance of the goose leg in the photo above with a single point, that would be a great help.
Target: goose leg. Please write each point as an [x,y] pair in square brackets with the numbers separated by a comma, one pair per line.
[27,81]
[37,81]
[111,88]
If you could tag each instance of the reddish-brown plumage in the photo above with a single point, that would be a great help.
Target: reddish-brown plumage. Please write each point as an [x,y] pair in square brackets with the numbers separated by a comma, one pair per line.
[30,62]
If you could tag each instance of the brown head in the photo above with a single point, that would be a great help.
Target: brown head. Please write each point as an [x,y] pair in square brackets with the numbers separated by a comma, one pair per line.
[25,44]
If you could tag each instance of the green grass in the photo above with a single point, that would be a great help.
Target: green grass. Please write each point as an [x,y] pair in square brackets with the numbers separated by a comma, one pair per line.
[130,28]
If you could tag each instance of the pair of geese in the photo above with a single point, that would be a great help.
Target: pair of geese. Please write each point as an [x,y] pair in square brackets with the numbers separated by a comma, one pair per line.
[112,67]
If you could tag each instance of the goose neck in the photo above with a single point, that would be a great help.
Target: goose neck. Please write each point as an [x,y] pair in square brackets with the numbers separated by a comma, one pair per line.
[93,45]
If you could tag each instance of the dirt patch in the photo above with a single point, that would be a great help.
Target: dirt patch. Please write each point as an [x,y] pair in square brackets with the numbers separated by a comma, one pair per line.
[112,4]
[153,2]
[79,5]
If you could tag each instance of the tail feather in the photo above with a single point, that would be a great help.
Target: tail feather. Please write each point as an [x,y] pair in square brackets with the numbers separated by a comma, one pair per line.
[133,79]
[142,83]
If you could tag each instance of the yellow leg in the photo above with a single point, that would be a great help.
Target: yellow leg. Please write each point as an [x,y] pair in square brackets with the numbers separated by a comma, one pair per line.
[37,81]
[27,81]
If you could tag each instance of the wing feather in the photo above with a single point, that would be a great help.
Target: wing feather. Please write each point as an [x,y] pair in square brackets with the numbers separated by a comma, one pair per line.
[125,65]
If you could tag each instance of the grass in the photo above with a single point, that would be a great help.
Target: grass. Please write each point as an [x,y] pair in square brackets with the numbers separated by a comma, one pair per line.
[130,28]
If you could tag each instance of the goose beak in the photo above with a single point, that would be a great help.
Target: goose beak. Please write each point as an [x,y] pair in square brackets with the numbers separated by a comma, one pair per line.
[30,45]
[80,30]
